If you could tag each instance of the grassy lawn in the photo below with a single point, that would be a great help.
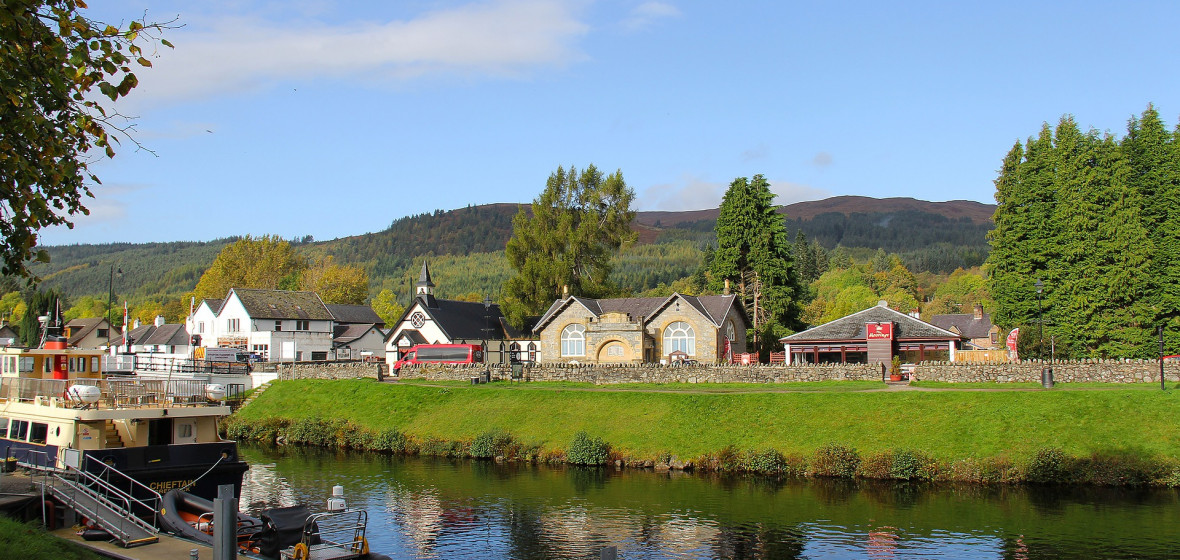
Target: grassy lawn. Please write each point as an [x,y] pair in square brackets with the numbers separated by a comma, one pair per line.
[688,423]
[31,542]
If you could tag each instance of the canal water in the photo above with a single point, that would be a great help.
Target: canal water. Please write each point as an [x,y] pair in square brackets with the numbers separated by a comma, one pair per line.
[458,509]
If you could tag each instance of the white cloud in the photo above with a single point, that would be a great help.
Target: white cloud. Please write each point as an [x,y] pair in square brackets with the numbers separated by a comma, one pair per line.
[647,13]
[501,38]
[693,193]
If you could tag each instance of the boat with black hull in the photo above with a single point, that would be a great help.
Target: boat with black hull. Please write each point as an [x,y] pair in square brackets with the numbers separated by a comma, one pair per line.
[58,411]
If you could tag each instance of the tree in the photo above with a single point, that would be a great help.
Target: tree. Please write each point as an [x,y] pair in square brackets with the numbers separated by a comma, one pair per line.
[339,284]
[754,254]
[39,304]
[267,263]
[566,239]
[385,305]
[52,59]
[86,307]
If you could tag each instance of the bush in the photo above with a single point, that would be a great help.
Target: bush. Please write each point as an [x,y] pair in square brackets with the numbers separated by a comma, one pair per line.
[392,441]
[835,461]
[876,466]
[1047,466]
[352,436]
[493,443]
[767,461]
[1118,468]
[586,450]
[441,448]
[912,465]
[312,431]
[267,430]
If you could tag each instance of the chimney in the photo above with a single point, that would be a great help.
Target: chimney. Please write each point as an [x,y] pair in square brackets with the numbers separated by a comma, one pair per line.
[159,322]
[565,291]
[882,303]
[136,324]
[726,292]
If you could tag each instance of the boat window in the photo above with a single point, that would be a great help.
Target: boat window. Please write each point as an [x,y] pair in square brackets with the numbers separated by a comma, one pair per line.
[39,433]
[26,364]
[185,431]
[3,427]
[94,363]
[18,430]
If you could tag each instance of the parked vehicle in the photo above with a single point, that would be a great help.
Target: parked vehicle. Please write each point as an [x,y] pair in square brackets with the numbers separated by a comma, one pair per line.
[441,354]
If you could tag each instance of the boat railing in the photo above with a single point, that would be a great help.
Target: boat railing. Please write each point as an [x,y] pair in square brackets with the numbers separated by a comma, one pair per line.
[115,393]
[139,498]
[333,534]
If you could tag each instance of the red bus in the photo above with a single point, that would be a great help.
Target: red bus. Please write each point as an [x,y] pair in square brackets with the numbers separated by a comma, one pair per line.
[441,354]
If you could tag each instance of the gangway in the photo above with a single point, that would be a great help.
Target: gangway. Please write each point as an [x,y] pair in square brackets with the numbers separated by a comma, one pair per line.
[113,501]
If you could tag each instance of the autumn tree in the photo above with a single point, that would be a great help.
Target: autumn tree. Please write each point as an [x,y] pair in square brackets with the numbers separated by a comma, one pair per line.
[386,306]
[336,283]
[53,62]
[566,238]
[267,263]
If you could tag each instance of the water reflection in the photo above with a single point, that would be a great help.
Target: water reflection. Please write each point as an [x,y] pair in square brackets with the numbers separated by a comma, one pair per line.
[422,508]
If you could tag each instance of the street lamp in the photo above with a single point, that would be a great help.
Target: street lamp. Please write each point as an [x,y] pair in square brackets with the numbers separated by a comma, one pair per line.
[1040,320]
[111,301]
[1162,358]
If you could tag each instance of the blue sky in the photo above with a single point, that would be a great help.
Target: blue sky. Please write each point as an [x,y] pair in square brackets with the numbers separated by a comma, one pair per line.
[331,119]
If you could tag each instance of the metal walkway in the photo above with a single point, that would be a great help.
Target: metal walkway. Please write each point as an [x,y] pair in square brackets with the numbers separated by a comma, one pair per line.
[109,511]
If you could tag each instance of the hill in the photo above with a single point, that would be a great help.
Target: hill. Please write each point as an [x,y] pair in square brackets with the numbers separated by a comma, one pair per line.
[931,236]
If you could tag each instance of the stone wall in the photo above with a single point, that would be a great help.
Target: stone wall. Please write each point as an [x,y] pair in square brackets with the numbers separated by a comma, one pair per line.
[331,370]
[1113,371]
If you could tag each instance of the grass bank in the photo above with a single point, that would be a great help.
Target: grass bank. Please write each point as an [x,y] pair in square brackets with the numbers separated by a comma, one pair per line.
[29,541]
[835,429]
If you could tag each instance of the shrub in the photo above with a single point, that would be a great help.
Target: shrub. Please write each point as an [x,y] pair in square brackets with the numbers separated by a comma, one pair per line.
[352,436]
[441,448]
[391,441]
[835,461]
[586,450]
[313,431]
[912,465]
[1047,466]
[1118,468]
[266,430]
[876,466]
[795,465]
[493,443]
[767,461]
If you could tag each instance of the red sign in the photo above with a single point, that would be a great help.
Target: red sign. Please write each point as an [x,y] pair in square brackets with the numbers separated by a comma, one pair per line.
[879,331]
[1012,342]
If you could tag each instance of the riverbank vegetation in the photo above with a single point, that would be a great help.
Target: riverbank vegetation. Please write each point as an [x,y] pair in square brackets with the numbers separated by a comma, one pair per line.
[1091,435]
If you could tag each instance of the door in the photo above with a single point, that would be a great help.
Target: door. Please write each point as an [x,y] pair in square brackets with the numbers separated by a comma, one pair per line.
[185,431]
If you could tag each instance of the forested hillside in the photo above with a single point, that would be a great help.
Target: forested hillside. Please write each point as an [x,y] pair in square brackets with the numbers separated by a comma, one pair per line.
[466,246]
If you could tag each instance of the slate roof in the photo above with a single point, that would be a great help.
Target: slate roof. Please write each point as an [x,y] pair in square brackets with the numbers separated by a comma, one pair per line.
[6,333]
[465,319]
[415,336]
[852,327]
[344,334]
[137,335]
[214,304]
[80,328]
[283,304]
[354,314]
[714,308]
[966,323]
[166,334]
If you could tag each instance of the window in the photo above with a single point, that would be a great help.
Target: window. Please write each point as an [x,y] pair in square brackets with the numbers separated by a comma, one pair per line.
[615,350]
[77,365]
[201,327]
[3,427]
[573,340]
[39,433]
[233,325]
[278,326]
[94,363]
[19,430]
[680,336]
[103,333]
[302,325]
[319,356]
[184,431]
[532,351]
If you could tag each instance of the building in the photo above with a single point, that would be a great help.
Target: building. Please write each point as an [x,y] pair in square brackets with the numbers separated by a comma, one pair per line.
[976,327]
[8,337]
[874,335]
[707,329]
[430,320]
[156,338]
[94,332]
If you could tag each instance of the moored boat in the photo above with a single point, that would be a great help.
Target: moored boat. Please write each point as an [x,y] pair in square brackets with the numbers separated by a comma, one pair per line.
[58,410]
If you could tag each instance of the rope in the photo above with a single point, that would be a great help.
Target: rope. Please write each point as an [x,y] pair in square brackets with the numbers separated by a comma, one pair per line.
[190,485]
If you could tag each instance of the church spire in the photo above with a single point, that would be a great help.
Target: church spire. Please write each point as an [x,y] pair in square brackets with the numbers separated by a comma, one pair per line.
[424,289]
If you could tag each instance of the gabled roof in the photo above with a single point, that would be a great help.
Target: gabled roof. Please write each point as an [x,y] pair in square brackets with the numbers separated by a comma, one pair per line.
[137,335]
[461,320]
[166,334]
[354,314]
[214,304]
[852,327]
[6,333]
[414,335]
[81,328]
[965,323]
[344,334]
[282,304]
[713,308]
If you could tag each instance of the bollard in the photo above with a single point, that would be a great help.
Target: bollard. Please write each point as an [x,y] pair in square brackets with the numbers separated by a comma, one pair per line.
[1047,378]
[194,554]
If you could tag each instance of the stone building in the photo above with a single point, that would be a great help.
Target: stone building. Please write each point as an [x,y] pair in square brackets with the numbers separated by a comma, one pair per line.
[977,327]
[707,329]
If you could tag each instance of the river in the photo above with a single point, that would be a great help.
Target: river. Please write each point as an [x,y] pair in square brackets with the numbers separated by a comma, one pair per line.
[457,509]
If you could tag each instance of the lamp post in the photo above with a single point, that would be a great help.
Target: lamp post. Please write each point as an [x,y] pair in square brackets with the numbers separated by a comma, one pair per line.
[1040,321]
[111,302]
[1162,388]
[487,335]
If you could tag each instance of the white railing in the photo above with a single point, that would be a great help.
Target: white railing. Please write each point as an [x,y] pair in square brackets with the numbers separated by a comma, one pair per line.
[114,393]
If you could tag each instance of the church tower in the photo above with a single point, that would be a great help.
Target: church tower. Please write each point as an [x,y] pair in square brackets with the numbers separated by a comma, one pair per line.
[424,289]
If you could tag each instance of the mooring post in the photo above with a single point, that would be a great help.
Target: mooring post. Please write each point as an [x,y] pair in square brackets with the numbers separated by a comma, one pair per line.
[225,523]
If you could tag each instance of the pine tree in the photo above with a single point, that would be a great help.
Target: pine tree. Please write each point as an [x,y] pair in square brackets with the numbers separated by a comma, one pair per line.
[754,254]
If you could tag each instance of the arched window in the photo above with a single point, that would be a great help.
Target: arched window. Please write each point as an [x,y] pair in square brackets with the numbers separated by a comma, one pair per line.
[573,340]
[680,336]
